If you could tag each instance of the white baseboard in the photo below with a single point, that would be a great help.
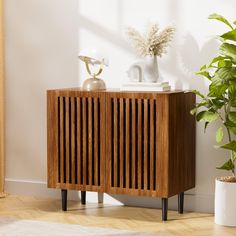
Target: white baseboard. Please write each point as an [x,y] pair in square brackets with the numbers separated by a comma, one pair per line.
[192,202]
[35,188]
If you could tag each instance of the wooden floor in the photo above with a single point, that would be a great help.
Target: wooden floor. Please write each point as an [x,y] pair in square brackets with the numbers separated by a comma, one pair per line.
[120,217]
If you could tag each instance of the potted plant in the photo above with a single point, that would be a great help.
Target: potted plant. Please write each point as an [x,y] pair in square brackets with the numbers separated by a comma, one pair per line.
[220,105]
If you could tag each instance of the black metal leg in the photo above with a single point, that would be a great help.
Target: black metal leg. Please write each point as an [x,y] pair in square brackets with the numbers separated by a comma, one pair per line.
[181,203]
[164,208]
[83,197]
[64,199]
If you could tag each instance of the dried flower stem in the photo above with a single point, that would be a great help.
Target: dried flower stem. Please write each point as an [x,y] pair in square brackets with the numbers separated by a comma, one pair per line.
[151,43]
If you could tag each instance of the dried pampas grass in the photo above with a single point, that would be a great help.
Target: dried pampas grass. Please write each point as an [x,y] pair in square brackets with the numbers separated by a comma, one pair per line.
[153,42]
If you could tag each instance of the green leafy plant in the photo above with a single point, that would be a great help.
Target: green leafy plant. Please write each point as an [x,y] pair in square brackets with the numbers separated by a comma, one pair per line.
[220,102]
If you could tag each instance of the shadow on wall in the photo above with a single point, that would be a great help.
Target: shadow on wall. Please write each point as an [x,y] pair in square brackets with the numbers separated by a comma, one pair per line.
[181,63]
[191,58]
[186,59]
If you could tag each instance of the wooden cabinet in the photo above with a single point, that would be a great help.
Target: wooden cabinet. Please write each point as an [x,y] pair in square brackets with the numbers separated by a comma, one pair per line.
[134,143]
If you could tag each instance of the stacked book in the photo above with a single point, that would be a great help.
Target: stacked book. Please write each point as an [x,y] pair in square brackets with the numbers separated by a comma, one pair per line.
[143,86]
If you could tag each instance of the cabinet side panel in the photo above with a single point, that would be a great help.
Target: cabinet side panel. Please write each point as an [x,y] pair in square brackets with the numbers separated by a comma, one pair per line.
[162,145]
[182,143]
[52,139]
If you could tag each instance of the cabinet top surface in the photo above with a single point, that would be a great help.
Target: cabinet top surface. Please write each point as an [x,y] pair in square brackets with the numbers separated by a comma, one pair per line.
[78,89]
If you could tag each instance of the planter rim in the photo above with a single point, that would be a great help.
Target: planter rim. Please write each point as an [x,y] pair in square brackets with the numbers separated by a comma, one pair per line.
[218,179]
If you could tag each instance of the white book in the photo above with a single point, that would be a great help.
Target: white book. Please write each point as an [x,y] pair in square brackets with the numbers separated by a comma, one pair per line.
[150,89]
[144,84]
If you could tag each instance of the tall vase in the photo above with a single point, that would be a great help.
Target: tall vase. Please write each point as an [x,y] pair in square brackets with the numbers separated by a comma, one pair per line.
[151,72]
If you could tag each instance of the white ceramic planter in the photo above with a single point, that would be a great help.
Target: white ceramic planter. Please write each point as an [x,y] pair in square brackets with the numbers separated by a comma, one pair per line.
[225,203]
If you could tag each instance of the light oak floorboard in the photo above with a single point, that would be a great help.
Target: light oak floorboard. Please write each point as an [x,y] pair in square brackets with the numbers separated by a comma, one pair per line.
[120,217]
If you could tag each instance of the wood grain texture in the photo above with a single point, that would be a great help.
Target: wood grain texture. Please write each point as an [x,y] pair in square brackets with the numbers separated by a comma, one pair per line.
[73,147]
[2,106]
[150,140]
[75,132]
[52,145]
[181,143]
[127,143]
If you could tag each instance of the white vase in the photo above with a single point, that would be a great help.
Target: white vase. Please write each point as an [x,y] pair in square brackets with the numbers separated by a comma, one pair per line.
[151,72]
[225,204]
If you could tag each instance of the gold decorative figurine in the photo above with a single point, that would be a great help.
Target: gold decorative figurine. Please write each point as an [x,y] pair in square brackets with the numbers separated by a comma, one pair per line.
[92,57]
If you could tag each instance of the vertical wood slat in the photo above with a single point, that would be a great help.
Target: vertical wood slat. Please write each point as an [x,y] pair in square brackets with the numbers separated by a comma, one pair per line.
[79,140]
[157,129]
[62,139]
[67,143]
[121,137]
[57,136]
[152,145]
[102,146]
[90,141]
[73,146]
[127,134]
[96,141]
[133,143]
[109,145]
[140,137]
[115,157]
[146,144]
[84,130]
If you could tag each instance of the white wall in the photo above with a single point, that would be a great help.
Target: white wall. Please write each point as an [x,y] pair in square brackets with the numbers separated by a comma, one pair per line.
[43,38]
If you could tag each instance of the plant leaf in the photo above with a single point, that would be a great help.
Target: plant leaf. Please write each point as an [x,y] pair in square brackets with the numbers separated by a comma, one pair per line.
[230,146]
[232,90]
[219,135]
[217,80]
[232,129]
[203,67]
[232,117]
[228,50]
[198,93]
[227,73]
[217,91]
[229,165]
[204,73]
[230,125]
[207,116]
[214,60]
[233,102]
[224,63]
[220,18]
[231,35]
[193,111]
[234,156]
[217,103]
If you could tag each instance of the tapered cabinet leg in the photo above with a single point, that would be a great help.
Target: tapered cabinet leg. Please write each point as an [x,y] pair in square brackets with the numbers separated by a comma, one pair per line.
[64,199]
[164,208]
[181,203]
[83,197]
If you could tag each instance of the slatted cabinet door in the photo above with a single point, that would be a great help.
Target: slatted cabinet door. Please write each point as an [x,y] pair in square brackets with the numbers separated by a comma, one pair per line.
[137,144]
[75,140]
